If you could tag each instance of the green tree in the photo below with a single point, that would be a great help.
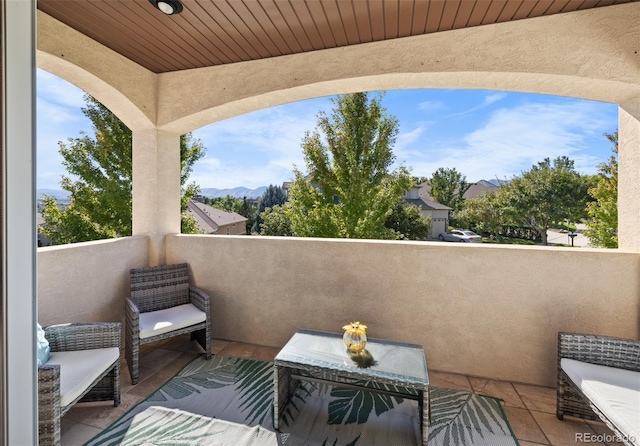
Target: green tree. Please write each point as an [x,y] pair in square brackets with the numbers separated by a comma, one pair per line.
[274,195]
[226,203]
[407,222]
[549,192]
[275,222]
[99,181]
[448,186]
[602,225]
[350,191]
[486,213]
[248,210]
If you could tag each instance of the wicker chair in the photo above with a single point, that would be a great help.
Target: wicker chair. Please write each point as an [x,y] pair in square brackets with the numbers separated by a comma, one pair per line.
[600,350]
[72,338]
[162,305]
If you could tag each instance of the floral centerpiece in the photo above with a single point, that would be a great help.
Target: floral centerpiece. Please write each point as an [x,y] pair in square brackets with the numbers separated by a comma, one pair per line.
[355,336]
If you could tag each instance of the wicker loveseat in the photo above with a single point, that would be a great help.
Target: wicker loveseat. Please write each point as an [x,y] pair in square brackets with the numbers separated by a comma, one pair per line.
[84,366]
[599,379]
[163,304]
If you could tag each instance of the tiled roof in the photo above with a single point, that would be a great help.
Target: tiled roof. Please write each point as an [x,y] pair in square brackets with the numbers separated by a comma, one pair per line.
[211,219]
[427,204]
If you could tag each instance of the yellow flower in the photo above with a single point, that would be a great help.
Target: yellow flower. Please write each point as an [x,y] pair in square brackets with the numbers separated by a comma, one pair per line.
[355,328]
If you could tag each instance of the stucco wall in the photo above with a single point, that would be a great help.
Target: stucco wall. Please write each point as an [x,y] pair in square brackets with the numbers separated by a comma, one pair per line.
[491,311]
[590,54]
[86,282]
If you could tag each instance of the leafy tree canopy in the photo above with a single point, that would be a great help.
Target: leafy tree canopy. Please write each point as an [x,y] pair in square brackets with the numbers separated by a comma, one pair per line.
[485,213]
[602,225]
[275,221]
[448,186]
[407,222]
[100,173]
[350,191]
[274,195]
[551,191]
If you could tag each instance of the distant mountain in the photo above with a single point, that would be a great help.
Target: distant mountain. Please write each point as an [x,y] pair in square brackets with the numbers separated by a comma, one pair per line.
[237,192]
[58,194]
[498,182]
[210,192]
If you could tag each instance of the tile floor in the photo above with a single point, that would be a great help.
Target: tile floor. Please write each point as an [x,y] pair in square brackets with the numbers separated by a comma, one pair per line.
[530,409]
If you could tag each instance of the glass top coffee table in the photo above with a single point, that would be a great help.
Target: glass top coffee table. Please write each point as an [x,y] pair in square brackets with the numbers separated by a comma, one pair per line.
[322,357]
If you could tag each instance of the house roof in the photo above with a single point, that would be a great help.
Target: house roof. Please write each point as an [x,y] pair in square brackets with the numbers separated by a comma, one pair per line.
[427,204]
[216,32]
[211,219]
[477,189]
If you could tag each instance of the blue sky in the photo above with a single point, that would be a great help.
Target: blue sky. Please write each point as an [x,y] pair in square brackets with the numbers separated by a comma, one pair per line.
[483,134]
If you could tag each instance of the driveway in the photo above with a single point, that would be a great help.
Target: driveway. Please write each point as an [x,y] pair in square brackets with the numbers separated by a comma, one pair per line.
[555,237]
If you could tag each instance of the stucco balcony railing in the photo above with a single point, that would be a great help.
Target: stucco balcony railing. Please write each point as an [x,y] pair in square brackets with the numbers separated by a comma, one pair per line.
[487,315]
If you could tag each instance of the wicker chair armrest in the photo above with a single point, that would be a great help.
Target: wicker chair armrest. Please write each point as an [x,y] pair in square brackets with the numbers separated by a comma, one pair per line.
[601,350]
[84,336]
[131,308]
[48,376]
[200,299]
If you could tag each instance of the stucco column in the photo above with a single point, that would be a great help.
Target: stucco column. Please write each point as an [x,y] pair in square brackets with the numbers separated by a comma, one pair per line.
[156,188]
[629,174]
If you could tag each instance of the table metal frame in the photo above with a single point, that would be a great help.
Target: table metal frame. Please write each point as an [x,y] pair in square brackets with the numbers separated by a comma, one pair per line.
[288,375]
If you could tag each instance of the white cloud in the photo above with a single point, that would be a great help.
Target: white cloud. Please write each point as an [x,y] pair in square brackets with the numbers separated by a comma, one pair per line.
[405,139]
[58,118]
[488,100]
[494,97]
[431,106]
[513,139]
[58,91]
[256,149]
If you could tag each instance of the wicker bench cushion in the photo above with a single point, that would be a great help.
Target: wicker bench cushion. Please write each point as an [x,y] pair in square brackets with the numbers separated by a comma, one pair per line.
[615,392]
[80,368]
[159,322]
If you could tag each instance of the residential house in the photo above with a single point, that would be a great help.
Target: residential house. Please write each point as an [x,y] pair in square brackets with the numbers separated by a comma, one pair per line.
[216,221]
[439,213]
[42,240]
[477,189]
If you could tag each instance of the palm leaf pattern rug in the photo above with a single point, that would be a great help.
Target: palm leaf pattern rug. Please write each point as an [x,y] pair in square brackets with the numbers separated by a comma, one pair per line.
[241,391]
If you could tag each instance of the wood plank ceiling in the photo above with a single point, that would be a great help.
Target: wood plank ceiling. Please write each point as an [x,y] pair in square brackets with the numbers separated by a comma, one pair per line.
[215,32]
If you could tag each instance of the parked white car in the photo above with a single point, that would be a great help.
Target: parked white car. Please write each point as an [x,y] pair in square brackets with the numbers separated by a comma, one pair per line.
[460,235]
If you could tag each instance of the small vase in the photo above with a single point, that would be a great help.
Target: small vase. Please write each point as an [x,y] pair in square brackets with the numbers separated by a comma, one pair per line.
[355,337]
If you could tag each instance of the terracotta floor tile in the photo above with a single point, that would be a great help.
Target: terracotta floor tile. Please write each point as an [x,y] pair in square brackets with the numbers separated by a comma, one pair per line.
[265,353]
[218,344]
[80,412]
[78,434]
[540,399]
[499,389]
[183,343]
[530,443]
[524,425]
[239,349]
[600,428]
[102,419]
[564,433]
[449,381]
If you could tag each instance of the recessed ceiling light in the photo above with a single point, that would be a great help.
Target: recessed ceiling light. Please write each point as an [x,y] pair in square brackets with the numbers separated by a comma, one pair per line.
[169,7]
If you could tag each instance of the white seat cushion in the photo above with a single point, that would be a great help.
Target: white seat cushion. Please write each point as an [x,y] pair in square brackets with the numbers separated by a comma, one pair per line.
[80,368]
[159,322]
[616,392]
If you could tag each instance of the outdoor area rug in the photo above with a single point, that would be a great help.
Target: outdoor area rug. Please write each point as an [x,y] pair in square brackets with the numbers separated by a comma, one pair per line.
[238,390]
